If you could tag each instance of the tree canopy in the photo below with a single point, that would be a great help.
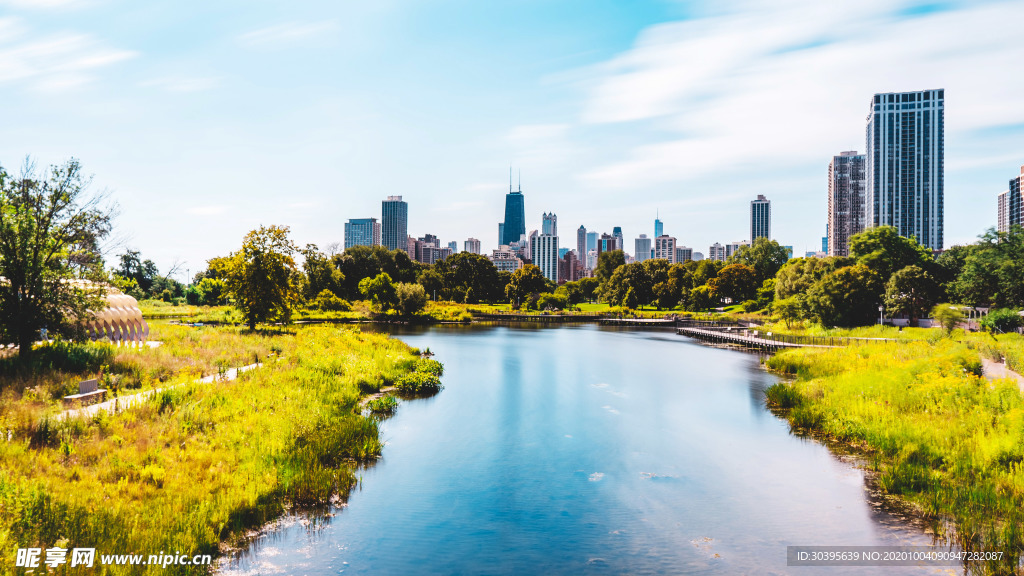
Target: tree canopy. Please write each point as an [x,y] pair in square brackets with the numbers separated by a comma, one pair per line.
[262,277]
[50,230]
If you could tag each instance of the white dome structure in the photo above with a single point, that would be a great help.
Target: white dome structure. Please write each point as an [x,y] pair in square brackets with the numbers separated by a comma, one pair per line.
[120,321]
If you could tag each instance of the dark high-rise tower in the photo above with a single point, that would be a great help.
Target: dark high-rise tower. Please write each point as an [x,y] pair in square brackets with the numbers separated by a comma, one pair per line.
[760,218]
[846,184]
[905,168]
[515,216]
[395,223]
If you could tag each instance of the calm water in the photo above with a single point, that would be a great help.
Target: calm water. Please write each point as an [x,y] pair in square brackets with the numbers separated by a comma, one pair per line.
[581,450]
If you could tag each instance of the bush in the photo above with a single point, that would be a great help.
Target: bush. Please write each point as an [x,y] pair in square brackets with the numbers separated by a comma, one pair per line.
[411,298]
[419,384]
[781,395]
[383,406]
[327,301]
[1001,320]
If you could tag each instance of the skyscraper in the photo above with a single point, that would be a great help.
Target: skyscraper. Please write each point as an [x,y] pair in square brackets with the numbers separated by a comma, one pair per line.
[617,232]
[581,244]
[683,254]
[362,232]
[760,218]
[549,224]
[716,252]
[515,216]
[394,223]
[659,228]
[1010,210]
[643,248]
[665,248]
[471,245]
[544,253]
[734,247]
[846,183]
[905,155]
[453,246]
[592,238]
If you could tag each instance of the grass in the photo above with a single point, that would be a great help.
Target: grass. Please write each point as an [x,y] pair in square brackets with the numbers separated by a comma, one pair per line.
[937,433]
[199,465]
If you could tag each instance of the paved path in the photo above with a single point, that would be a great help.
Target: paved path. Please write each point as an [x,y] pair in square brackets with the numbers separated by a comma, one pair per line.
[125,402]
[992,370]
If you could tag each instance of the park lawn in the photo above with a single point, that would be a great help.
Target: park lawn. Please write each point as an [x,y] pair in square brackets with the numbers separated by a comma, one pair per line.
[200,464]
[938,434]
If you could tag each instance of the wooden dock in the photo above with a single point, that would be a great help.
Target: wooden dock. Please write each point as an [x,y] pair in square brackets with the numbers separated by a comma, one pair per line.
[640,322]
[738,337]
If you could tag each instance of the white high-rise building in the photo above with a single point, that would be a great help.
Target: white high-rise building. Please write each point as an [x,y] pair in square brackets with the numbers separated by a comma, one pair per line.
[471,245]
[760,218]
[665,248]
[716,252]
[698,256]
[544,253]
[643,248]
[734,247]
[905,164]
[683,254]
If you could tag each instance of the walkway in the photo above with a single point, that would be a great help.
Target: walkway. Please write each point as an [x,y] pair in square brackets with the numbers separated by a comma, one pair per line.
[124,402]
[993,370]
[738,337]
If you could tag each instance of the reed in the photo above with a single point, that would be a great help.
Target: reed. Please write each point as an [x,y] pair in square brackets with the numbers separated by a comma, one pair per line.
[199,465]
[940,435]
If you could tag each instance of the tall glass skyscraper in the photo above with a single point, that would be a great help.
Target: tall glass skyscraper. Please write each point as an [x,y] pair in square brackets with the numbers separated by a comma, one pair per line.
[549,224]
[395,223]
[905,164]
[362,232]
[581,244]
[515,217]
[659,228]
[760,218]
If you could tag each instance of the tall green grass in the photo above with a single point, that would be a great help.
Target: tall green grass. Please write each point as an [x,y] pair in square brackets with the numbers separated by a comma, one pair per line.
[201,464]
[938,433]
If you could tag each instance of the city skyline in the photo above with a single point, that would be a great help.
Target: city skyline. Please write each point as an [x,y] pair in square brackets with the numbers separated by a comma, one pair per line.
[309,115]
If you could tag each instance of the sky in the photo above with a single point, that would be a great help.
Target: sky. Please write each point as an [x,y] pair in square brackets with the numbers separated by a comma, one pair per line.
[205,120]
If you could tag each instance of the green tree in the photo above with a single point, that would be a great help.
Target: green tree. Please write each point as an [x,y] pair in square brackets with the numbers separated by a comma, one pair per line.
[790,310]
[526,285]
[432,283]
[797,276]
[321,274]
[572,292]
[465,273]
[764,256]
[380,291]
[911,291]
[589,286]
[261,277]
[847,297]
[885,252]
[211,291]
[1002,320]
[625,278]
[703,298]
[359,262]
[737,282]
[552,302]
[411,298]
[993,271]
[50,229]
[144,272]
[704,271]
[948,316]
[607,263]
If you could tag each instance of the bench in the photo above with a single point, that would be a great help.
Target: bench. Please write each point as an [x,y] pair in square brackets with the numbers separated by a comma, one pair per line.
[88,393]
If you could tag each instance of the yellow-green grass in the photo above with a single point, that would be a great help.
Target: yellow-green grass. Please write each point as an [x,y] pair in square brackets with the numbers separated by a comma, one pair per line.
[200,464]
[938,434]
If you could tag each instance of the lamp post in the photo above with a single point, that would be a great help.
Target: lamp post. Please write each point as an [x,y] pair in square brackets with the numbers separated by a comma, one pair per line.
[880,309]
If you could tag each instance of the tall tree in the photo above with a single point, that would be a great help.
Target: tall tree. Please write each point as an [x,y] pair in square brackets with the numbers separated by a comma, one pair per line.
[847,297]
[50,230]
[913,292]
[885,252]
[526,285]
[321,273]
[607,262]
[737,282]
[465,274]
[765,256]
[262,276]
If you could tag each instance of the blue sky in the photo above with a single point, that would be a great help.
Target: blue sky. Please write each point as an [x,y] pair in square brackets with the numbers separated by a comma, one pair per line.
[205,120]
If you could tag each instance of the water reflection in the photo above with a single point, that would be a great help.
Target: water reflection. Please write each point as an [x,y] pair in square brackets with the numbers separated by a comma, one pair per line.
[579,449]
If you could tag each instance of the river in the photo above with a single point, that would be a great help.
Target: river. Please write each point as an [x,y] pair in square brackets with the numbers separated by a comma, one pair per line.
[585,450]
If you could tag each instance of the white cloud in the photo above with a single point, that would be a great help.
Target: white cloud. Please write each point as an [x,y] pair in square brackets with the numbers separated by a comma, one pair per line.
[57,62]
[41,4]
[287,33]
[792,84]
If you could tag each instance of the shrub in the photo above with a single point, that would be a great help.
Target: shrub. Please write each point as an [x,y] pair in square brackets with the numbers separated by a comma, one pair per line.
[419,384]
[1001,320]
[383,406]
[327,301]
[782,395]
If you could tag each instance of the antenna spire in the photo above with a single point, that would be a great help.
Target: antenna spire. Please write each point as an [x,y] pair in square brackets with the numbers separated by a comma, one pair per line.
[520,180]
[509,178]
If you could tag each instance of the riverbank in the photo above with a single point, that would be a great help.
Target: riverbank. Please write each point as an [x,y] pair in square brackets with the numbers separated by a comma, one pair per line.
[936,432]
[195,467]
